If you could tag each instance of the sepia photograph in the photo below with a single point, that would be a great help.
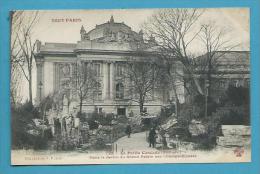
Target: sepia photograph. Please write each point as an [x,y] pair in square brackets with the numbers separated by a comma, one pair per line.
[130,86]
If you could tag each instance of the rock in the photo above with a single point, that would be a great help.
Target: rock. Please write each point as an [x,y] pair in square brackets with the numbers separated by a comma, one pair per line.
[233,141]
[235,135]
[33,132]
[169,124]
[196,128]
[235,130]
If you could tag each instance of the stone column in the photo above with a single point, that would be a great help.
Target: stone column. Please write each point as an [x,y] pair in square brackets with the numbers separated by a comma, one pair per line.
[40,84]
[108,80]
[56,76]
[105,80]
[48,76]
[112,80]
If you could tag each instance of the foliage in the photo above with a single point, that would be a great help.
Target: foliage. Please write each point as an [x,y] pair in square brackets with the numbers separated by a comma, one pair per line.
[99,144]
[199,103]
[234,115]
[22,122]
[94,119]
[119,131]
[167,111]
[236,96]
[65,143]
[233,109]
[235,106]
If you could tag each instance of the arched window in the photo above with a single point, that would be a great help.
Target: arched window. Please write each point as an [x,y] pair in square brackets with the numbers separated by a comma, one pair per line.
[119,91]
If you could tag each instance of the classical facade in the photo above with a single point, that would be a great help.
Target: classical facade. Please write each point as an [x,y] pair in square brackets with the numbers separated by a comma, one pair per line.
[106,48]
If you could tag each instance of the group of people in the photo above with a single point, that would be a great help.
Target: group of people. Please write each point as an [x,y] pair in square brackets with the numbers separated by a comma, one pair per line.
[152,135]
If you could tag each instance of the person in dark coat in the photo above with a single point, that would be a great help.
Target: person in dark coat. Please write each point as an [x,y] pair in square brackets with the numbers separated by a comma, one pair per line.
[152,137]
[128,130]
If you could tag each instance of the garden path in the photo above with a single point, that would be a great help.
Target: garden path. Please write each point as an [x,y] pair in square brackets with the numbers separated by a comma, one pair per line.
[137,141]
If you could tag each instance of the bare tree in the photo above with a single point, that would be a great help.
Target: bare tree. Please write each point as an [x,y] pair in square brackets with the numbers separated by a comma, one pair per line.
[23,46]
[174,30]
[144,77]
[16,22]
[86,83]
[216,45]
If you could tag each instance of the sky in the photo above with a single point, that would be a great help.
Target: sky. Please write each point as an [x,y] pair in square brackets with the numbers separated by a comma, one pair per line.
[58,26]
[236,20]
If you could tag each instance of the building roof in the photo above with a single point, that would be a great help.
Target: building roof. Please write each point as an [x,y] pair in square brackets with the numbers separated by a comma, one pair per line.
[226,63]
[234,57]
[58,47]
[229,57]
[109,36]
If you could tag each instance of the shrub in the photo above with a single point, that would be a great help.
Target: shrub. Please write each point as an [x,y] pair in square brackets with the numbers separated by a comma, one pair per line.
[233,115]
[237,96]
[65,143]
[22,122]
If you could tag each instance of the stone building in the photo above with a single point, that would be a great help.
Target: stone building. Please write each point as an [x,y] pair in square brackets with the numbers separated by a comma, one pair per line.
[106,48]
[229,68]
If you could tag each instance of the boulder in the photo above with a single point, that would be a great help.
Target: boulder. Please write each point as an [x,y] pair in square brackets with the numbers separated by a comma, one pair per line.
[196,128]
[169,124]
[233,141]
[235,135]
[236,130]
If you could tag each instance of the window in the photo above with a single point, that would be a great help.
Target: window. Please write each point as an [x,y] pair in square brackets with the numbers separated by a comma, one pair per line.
[98,110]
[98,92]
[234,83]
[119,91]
[119,70]
[121,111]
[145,110]
[222,84]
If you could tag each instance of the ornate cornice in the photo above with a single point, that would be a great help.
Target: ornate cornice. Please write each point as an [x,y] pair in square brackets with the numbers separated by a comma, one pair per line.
[115,52]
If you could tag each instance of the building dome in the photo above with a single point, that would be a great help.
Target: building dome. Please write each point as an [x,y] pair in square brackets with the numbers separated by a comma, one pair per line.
[113,31]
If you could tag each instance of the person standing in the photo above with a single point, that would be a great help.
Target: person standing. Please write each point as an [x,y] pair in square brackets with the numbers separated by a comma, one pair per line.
[128,130]
[151,137]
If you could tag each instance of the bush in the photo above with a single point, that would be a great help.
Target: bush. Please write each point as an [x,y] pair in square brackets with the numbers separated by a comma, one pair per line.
[22,122]
[93,124]
[233,115]
[236,96]
[94,119]
[65,143]
[199,106]
[235,106]
[99,144]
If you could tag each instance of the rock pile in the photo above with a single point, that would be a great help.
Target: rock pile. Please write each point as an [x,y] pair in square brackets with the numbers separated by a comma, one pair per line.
[235,135]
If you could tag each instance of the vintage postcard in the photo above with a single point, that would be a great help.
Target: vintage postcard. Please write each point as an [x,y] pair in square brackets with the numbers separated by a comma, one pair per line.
[128,86]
